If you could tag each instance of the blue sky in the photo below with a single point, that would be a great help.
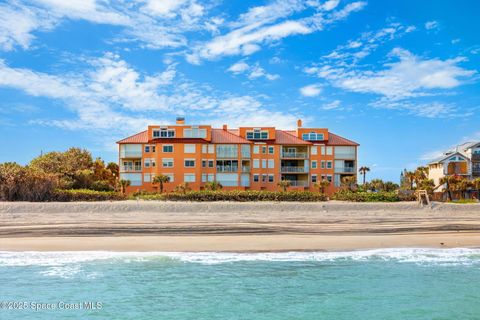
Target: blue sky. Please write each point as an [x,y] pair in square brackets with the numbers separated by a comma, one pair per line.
[399,77]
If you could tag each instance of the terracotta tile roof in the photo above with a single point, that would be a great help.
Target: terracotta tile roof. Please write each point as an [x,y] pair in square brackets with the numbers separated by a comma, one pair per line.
[141,137]
[285,137]
[226,136]
[336,140]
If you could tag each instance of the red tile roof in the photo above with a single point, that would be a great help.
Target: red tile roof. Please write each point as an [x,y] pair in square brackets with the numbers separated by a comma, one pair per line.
[285,137]
[141,137]
[336,140]
[226,136]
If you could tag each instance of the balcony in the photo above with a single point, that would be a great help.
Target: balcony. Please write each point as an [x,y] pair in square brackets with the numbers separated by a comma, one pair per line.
[294,169]
[294,183]
[131,168]
[476,157]
[245,169]
[294,155]
[130,154]
[344,170]
[227,169]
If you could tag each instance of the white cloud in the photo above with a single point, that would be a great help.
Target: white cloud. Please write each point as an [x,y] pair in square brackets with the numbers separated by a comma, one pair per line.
[253,72]
[455,41]
[261,25]
[330,4]
[411,76]
[311,90]
[332,105]
[429,25]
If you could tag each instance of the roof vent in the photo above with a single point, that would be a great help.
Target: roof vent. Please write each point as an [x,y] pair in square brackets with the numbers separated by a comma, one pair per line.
[180,120]
[225,127]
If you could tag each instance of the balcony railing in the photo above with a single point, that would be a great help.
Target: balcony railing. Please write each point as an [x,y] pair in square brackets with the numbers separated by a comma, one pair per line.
[245,169]
[345,169]
[294,155]
[130,168]
[298,183]
[130,154]
[227,169]
[294,169]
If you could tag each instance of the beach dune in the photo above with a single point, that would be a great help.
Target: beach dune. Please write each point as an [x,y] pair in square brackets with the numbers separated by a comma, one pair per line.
[232,226]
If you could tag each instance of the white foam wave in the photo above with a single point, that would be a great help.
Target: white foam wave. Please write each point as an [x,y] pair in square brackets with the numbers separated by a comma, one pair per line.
[413,255]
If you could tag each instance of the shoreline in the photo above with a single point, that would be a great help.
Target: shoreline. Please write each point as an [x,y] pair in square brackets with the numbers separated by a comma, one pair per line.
[241,244]
[235,227]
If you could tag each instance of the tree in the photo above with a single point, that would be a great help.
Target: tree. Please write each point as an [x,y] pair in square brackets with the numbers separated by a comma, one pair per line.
[160,180]
[213,185]
[448,187]
[123,185]
[363,171]
[284,184]
[324,183]
[349,182]
[410,178]
[183,188]
[476,186]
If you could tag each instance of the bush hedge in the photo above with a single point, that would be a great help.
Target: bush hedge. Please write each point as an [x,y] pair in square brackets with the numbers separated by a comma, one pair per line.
[242,196]
[86,195]
[346,195]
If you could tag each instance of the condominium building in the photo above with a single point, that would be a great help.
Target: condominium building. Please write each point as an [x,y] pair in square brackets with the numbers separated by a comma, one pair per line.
[245,158]
[464,161]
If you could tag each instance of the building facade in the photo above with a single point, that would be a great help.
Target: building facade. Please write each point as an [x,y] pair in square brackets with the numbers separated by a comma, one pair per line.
[245,158]
[464,161]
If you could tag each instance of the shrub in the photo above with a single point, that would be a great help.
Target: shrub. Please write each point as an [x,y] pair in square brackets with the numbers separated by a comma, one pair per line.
[346,195]
[250,195]
[86,195]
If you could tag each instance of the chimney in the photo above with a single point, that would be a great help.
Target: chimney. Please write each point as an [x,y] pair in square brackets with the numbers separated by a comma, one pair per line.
[225,127]
[299,123]
[180,120]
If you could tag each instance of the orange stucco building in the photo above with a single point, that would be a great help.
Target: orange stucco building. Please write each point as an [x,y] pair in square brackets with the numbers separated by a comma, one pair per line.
[245,158]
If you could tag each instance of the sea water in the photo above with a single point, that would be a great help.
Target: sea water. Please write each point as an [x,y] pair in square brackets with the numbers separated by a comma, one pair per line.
[373,284]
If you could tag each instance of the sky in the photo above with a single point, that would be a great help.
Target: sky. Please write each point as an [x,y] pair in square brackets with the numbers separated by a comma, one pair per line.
[399,77]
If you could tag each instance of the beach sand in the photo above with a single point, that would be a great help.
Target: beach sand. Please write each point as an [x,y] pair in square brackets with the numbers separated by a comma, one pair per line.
[229,226]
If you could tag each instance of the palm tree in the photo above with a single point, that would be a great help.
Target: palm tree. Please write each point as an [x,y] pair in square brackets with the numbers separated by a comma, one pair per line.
[183,188]
[123,185]
[160,180]
[284,184]
[363,171]
[476,186]
[322,185]
[410,176]
[448,188]
[350,182]
[213,185]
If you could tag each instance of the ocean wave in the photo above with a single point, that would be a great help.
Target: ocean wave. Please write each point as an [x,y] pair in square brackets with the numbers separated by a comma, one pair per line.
[412,255]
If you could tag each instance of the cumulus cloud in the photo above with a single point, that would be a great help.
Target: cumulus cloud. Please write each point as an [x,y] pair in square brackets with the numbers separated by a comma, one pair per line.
[253,72]
[311,90]
[429,25]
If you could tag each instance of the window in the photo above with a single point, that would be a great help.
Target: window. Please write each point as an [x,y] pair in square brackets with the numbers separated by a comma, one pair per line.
[329,151]
[149,162]
[195,133]
[147,177]
[153,148]
[245,151]
[163,133]
[264,177]
[257,134]
[314,150]
[329,164]
[204,163]
[322,164]
[227,151]
[256,163]
[270,149]
[322,150]
[204,177]
[167,148]
[314,164]
[344,152]
[189,177]
[147,149]
[327,177]
[314,178]
[271,163]
[255,178]
[208,177]
[264,163]
[264,149]
[210,163]
[204,148]
[189,148]
[270,178]
[189,163]
[313,136]
[256,149]
[211,148]
[167,163]
[134,178]
[170,175]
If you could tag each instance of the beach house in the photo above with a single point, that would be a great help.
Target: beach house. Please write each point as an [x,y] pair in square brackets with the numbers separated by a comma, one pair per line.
[463,160]
[244,158]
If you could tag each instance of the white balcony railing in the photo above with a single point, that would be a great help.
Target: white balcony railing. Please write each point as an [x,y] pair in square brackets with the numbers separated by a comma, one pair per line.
[294,169]
[298,183]
[130,168]
[294,155]
[227,169]
[344,169]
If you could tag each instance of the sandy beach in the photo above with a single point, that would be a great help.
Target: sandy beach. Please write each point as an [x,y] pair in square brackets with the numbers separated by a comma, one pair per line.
[222,226]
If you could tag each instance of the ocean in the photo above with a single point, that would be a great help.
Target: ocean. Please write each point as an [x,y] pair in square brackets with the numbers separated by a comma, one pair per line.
[372,284]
